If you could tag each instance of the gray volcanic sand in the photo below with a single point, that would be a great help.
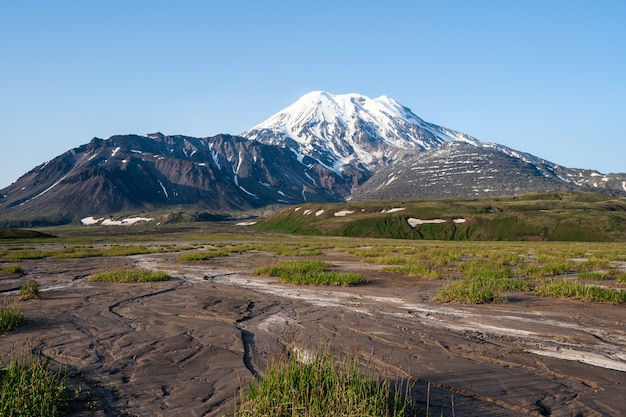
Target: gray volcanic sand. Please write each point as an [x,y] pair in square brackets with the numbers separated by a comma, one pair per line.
[184,347]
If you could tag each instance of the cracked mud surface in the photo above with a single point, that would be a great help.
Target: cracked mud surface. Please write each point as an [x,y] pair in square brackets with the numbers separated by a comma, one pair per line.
[185,346]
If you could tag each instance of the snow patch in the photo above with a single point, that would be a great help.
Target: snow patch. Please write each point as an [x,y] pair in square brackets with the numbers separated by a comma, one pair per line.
[319,212]
[457,221]
[413,222]
[164,190]
[116,150]
[91,220]
[343,213]
[393,210]
[245,223]
[247,192]
[44,191]
[129,221]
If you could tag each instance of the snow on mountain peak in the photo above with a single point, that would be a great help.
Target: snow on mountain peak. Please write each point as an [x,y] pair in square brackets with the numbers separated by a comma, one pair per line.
[350,129]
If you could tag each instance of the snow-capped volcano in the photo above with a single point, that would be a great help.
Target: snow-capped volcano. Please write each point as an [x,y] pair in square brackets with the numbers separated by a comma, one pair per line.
[350,130]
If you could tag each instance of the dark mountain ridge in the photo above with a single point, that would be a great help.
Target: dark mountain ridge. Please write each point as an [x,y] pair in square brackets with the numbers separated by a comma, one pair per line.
[141,173]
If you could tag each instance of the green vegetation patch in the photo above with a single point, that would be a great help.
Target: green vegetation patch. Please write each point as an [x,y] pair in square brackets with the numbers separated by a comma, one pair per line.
[311,273]
[8,233]
[576,290]
[10,318]
[30,387]
[560,216]
[479,290]
[200,255]
[322,385]
[30,291]
[130,275]
[81,251]
[592,275]
[417,271]
[12,269]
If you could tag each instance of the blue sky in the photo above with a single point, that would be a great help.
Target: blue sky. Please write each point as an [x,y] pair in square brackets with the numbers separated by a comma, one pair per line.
[545,77]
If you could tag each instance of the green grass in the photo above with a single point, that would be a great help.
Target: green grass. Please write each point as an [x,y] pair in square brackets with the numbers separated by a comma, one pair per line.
[30,387]
[130,275]
[30,291]
[311,273]
[201,255]
[416,271]
[82,251]
[479,290]
[576,290]
[472,291]
[10,317]
[323,385]
[12,269]
[536,217]
[592,275]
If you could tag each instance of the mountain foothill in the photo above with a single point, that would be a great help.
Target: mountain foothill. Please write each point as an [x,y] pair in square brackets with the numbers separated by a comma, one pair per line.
[322,148]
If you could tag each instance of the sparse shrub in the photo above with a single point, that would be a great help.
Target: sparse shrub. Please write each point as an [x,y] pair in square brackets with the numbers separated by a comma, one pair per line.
[30,291]
[130,275]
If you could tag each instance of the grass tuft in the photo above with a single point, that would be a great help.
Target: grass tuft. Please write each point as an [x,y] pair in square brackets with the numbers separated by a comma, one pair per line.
[130,275]
[576,290]
[12,269]
[30,291]
[477,290]
[320,384]
[311,273]
[201,255]
[592,275]
[30,387]
[10,318]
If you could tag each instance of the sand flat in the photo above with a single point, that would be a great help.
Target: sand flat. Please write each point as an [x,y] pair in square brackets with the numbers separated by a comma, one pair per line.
[184,347]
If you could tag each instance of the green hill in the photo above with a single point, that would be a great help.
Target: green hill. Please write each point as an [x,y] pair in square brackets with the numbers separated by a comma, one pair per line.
[7,233]
[540,217]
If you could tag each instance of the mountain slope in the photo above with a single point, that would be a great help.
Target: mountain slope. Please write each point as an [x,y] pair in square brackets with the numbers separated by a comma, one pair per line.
[461,169]
[358,137]
[123,173]
[322,148]
[350,130]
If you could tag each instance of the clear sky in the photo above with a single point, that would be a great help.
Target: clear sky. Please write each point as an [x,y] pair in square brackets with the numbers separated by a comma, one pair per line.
[545,77]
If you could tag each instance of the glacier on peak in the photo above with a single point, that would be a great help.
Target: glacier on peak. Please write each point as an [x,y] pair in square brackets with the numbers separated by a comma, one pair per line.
[351,129]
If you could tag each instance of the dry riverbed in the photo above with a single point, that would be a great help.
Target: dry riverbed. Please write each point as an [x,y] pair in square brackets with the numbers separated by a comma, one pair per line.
[184,347]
